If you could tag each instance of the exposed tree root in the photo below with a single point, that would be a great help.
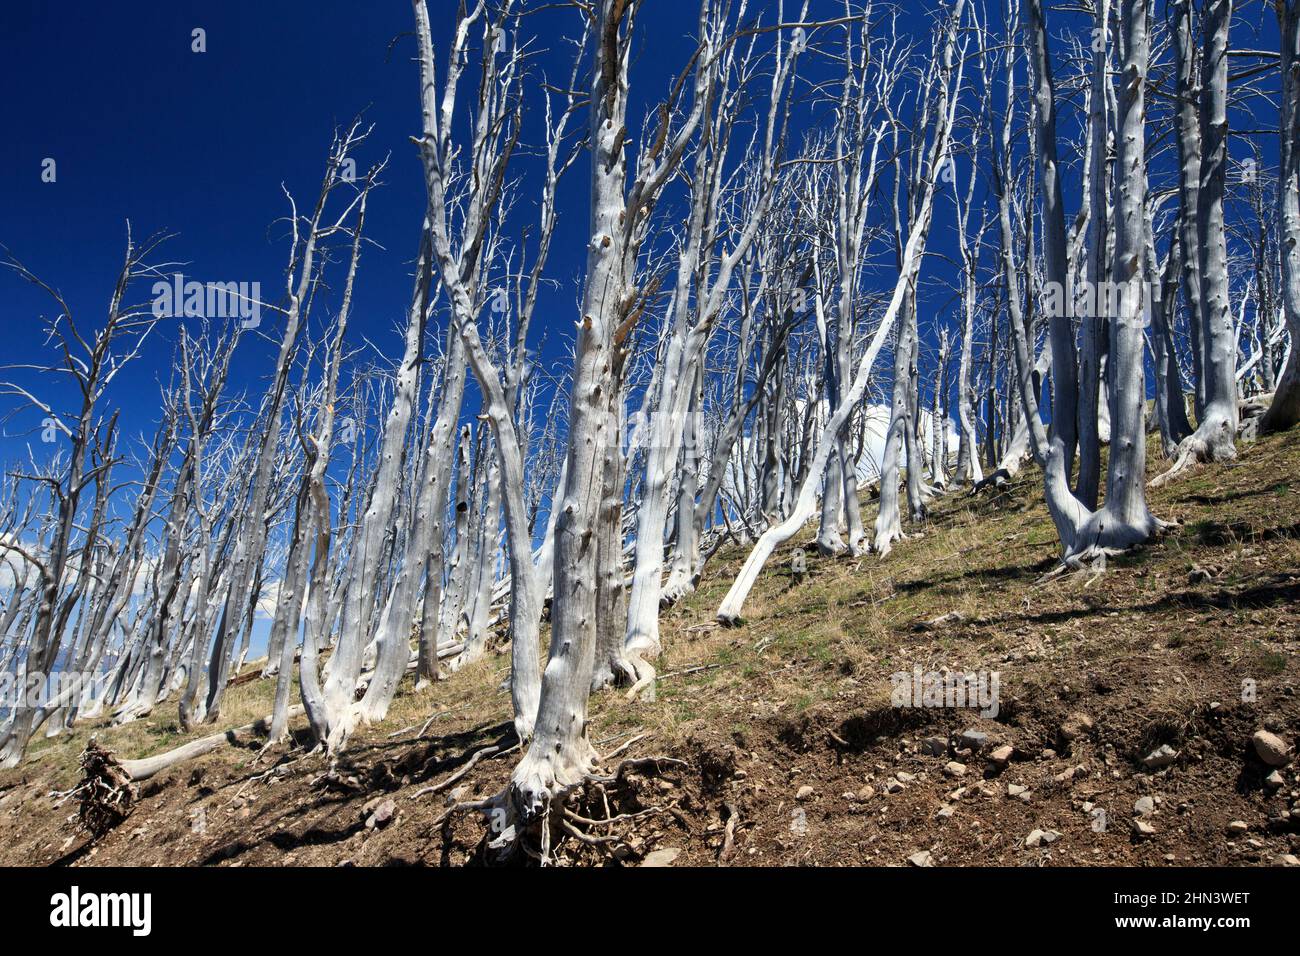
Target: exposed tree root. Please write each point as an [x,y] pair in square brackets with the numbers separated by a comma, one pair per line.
[998,480]
[593,813]
[105,794]
[1094,548]
[643,673]
[1211,442]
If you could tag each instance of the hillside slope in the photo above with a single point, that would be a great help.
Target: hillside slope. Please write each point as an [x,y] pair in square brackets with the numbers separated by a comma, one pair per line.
[793,751]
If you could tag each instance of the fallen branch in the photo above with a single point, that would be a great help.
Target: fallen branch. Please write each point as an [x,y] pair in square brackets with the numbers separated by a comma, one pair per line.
[479,755]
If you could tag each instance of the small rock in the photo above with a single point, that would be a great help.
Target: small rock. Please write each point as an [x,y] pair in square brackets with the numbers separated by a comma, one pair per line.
[904,777]
[934,746]
[804,792]
[1001,756]
[1015,790]
[1066,775]
[1289,859]
[850,796]
[1238,827]
[1274,780]
[1037,837]
[893,787]
[921,858]
[1048,754]
[1075,726]
[1162,756]
[1271,748]
[662,857]
[1198,575]
[945,812]
[798,822]
[866,793]
[937,623]
[1144,806]
[976,740]
[954,769]
[1142,828]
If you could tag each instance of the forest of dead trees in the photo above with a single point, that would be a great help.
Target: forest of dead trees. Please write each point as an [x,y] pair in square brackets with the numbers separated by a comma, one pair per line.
[848,251]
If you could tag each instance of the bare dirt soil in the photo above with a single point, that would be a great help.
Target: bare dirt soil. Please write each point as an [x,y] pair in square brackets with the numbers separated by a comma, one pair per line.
[793,752]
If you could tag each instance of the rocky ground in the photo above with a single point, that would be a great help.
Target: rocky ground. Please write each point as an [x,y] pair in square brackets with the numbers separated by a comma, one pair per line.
[1147,714]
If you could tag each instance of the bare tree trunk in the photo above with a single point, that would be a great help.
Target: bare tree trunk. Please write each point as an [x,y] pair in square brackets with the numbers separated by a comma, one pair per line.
[1216,431]
[1285,409]
[1093,330]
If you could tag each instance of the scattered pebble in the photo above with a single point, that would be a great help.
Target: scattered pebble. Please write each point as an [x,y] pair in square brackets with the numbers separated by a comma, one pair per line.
[798,822]
[1162,756]
[1271,748]
[1037,837]
[934,746]
[662,857]
[1075,726]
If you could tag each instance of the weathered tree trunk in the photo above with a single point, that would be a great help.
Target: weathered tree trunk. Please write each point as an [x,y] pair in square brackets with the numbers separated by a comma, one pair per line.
[1093,329]
[1216,431]
[1285,409]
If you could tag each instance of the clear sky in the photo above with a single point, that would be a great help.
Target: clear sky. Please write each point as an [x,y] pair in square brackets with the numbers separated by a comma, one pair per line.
[140,127]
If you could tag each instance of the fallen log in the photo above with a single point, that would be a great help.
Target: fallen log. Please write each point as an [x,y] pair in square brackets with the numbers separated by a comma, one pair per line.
[147,767]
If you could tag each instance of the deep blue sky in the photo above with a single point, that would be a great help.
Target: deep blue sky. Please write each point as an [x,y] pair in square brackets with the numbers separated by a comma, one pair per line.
[142,128]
